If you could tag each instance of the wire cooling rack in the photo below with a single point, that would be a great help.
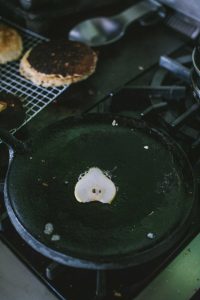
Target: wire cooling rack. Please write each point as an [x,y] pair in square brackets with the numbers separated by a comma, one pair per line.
[34,98]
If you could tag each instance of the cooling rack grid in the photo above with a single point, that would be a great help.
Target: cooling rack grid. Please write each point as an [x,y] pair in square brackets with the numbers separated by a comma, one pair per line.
[34,98]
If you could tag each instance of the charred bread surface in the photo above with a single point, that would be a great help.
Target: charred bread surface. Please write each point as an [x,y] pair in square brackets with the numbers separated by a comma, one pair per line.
[59,62]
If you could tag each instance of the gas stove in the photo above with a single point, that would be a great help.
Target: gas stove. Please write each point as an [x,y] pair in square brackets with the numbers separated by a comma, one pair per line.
[145,75]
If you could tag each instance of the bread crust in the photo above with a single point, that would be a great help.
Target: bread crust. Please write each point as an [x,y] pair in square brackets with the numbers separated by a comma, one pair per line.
[55,79]
[11,45]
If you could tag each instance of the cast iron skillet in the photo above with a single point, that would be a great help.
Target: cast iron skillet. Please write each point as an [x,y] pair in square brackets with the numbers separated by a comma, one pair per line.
[150,213]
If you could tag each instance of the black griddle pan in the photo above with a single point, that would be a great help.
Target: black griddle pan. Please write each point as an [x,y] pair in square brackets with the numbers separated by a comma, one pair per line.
[152,208]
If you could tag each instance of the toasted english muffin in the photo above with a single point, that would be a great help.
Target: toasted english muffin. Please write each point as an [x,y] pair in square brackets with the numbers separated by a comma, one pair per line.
[11,45]
[58,62]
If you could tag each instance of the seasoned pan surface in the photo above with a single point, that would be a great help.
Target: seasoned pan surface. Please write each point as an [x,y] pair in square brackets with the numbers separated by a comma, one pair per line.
[155,188]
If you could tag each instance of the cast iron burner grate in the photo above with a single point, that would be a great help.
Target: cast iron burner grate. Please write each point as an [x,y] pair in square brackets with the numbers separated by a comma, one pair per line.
[34,98]
[167,100]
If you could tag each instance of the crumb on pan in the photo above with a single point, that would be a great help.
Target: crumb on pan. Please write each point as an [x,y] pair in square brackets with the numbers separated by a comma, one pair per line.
[48,228]
[151,235]
[55,237]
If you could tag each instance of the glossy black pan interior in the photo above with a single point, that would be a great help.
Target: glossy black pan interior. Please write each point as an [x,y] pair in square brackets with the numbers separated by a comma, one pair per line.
[152,208]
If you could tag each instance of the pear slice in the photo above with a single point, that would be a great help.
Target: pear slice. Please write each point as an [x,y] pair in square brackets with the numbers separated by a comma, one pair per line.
[95,186]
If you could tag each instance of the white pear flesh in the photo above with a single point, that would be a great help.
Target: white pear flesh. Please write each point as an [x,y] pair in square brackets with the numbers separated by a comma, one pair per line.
[95,186]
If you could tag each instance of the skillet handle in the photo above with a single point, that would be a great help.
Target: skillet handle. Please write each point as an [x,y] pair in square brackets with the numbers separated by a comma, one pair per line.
[12,142]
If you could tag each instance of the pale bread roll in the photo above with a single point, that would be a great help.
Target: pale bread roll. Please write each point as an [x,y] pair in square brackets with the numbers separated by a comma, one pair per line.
[11,45]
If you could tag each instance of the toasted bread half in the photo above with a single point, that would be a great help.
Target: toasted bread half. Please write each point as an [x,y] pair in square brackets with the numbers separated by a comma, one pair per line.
[58,62]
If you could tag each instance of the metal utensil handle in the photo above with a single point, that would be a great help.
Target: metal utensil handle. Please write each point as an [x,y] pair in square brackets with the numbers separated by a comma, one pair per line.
[12,142]
[137,11]
[174,66]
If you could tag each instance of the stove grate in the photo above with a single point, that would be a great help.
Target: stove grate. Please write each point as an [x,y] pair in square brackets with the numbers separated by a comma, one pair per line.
[34,98]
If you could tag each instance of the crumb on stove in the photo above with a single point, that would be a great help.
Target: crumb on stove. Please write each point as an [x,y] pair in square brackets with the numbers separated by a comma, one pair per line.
[30,157]
[146,147]
[66,182]
[43,161]
[45,184]
[141,68]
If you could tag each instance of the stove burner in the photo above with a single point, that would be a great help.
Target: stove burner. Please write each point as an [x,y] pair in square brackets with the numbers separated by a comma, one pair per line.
[168,101]
[181,112]
[179,77]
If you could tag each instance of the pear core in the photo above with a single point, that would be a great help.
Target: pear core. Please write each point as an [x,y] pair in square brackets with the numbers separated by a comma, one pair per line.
[94,185]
